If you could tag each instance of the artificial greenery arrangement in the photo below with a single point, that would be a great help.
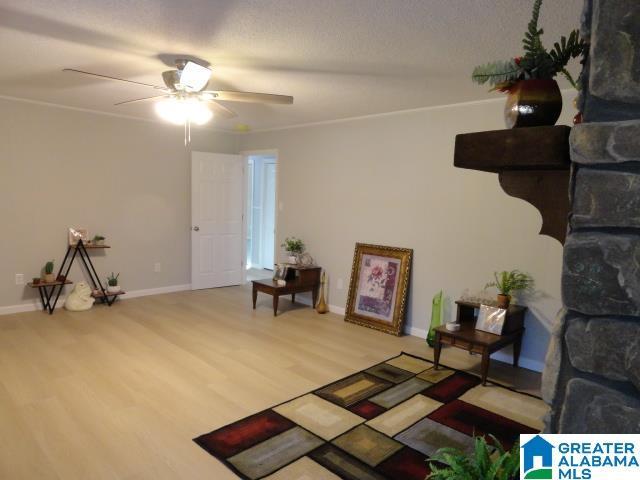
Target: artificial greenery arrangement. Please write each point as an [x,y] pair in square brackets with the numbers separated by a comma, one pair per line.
[98,238]
[483,465]
[112,280]
[537,62]
[293,245]
[508,282]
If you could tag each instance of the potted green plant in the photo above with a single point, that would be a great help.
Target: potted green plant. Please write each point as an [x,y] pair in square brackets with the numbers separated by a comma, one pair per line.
[48,276]
[508,282]
[482,465]
[112,283]
[533,94]
[294,247]
[98,240]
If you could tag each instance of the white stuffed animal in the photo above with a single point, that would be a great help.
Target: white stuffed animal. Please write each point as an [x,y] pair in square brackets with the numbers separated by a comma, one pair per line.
[80,298]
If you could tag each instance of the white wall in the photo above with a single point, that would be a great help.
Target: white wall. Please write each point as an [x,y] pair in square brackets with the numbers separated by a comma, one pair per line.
[126,179]
[390,180]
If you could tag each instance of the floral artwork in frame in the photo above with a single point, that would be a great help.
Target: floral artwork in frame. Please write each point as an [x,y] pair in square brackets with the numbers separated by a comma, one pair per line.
[379,287]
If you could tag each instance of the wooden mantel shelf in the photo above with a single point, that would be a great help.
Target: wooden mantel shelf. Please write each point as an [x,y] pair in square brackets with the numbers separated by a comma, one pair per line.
[533,165]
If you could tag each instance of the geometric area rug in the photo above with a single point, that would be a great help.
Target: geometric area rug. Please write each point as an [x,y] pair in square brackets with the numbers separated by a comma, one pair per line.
[381,423]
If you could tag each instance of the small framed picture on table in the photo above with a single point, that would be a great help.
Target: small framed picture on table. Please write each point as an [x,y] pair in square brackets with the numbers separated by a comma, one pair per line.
[76,234]
[491,319]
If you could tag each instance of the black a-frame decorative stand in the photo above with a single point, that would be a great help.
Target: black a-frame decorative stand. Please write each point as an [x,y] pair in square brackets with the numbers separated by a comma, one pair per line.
[99,292]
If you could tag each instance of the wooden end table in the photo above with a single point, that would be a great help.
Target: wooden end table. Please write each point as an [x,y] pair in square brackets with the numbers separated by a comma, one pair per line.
[477,341]
[307,279]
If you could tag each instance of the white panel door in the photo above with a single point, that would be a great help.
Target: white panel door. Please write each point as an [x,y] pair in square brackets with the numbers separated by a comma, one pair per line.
[217,188]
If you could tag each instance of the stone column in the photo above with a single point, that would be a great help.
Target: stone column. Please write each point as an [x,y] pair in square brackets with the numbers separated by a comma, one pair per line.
[592,376]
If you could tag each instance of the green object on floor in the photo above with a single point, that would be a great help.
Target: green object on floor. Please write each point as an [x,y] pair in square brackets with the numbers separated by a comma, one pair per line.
[436,318]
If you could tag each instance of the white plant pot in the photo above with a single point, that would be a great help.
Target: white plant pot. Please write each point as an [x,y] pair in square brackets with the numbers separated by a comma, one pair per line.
[293,259]
[113,288]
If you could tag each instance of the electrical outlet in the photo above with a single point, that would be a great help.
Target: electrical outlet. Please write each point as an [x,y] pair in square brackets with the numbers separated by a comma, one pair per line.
[340,284]
[19,278]
[157,267]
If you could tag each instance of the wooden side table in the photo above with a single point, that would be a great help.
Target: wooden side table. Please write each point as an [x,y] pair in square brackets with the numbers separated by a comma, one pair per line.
[477,341]
[307,279]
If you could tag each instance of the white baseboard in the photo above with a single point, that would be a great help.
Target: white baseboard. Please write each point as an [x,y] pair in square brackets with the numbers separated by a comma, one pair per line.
[157,291]
[36,305]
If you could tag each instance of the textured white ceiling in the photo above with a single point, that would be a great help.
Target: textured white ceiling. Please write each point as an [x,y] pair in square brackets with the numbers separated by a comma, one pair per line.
[338,58]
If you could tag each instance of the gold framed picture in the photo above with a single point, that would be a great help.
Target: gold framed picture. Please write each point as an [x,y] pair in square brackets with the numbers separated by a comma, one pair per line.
[379,287]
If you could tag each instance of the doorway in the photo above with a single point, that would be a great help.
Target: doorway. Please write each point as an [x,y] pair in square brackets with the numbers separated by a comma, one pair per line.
[261,215]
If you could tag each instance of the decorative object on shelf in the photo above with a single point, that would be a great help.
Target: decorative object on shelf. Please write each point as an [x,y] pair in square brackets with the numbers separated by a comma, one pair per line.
[484,462]
[577,118]
[280,272]
[98,240]
[48,276]
[35,281]
[508,282]
[491,319]
[322,307]
[80,298]
[452,326]
[112,283]
[379,287]
[306,260]
[294,248]
[76,234]
[534,97]
[436,317]
[61,278]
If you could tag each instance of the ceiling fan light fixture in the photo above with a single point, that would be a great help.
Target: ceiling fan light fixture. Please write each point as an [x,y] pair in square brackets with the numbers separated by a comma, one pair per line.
[181,111]
[194,77]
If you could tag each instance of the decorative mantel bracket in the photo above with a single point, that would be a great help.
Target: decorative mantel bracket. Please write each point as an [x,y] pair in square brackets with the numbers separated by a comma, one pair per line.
[532,164]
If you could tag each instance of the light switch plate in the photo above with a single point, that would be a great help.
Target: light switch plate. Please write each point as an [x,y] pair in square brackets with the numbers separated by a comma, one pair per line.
[19,278]
[157,267]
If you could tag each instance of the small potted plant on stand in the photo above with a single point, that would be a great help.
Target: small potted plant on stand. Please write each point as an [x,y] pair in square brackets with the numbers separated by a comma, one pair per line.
[98,240]
[294,247]
[48,273]
[112,283]
[508,282]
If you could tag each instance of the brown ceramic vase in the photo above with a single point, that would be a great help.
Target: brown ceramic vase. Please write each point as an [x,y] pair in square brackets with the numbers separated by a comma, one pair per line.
[533,103]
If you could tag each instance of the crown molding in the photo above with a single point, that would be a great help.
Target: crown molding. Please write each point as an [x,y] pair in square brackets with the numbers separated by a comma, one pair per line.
[387,114]
[109,114]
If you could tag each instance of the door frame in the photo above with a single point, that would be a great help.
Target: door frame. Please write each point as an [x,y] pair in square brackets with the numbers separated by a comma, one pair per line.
[272,152]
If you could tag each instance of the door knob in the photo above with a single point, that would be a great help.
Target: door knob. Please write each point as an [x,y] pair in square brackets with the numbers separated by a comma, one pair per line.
[196,228]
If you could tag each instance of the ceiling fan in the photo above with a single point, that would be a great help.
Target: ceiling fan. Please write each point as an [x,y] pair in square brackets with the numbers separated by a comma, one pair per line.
[185,99]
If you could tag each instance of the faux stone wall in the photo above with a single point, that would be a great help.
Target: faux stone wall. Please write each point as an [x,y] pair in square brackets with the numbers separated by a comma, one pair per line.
[592,375]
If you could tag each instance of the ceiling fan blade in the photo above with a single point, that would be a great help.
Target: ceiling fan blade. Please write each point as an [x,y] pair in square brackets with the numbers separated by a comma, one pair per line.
[250,97]
[144,99]
[220,110]
[113,78]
